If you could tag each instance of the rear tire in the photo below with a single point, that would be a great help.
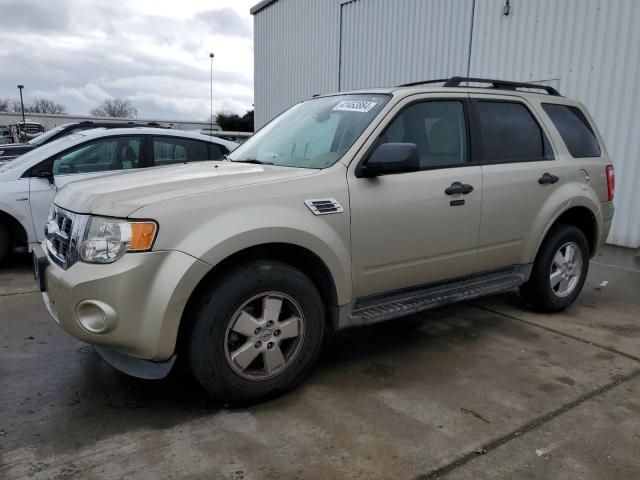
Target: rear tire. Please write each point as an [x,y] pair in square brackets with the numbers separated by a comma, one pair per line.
[559,271]
[4,242]
[255,332]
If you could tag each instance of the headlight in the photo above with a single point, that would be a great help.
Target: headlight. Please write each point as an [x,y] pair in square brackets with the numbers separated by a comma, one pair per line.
[107,239]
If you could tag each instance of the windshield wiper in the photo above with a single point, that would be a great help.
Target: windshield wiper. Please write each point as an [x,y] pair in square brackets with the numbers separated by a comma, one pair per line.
[253,160]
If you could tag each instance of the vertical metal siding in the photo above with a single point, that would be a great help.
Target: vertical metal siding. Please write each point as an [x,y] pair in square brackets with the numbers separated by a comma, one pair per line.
[593,48]
[589,48]
[296,54]
[299,50]
[387,43]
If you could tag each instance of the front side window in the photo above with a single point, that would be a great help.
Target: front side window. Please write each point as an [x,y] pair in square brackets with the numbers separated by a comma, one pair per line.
[217,151]
[120,153]
[436,127]
[510,133]
[170,150]
[574,129]
[312,134]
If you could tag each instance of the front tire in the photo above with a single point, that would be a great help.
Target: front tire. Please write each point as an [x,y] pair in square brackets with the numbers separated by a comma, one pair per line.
[255,332]
[559,271]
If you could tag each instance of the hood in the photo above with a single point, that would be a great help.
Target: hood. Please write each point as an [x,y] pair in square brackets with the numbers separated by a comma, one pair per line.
[121,194]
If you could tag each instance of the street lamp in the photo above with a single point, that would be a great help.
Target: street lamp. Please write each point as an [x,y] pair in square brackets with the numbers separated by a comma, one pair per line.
[24,122]
[211,98]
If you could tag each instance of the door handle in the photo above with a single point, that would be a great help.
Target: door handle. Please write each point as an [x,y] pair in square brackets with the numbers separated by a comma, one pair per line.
[547,179]
[457,187]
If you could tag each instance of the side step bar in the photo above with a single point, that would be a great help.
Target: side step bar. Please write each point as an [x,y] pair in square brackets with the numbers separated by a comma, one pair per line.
[397,304]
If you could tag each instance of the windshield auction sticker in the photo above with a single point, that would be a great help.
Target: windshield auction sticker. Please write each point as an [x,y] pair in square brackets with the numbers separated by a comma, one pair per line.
[354,106]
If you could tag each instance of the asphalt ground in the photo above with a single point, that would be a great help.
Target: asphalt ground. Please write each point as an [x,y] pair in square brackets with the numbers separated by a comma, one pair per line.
[487,389]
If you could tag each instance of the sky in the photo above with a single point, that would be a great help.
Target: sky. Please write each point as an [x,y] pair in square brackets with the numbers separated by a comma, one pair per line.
[153,52]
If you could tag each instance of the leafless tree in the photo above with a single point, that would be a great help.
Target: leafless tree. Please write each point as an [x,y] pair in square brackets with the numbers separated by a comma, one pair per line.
[116,107]
[6,105]
[44,105]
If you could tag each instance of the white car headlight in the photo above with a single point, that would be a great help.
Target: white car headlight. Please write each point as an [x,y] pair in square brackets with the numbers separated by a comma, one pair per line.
[107,239]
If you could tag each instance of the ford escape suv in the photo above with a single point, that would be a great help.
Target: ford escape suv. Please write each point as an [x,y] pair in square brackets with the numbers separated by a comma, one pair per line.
[347,209]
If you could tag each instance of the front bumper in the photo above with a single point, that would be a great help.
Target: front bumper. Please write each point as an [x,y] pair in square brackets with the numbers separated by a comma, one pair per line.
[141,296]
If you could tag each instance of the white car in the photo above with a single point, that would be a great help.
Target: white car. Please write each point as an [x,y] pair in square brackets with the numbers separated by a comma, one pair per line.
[29,183]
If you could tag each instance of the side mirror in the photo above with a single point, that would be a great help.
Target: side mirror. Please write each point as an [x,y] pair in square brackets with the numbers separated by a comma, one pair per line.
[45,174]
[390,158]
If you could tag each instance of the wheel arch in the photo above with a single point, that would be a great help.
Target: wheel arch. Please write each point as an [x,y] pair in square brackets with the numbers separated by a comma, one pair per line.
[17,232]
[581,217]
[295,255]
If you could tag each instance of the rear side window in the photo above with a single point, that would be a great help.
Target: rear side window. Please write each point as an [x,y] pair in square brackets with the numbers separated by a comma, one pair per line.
[574,129]
[170,150]
[510,133]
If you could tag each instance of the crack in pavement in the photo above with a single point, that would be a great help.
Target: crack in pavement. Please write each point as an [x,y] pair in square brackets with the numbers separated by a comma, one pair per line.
[549,329]
[535,423]
[541,420]
[18,293]
[475,414]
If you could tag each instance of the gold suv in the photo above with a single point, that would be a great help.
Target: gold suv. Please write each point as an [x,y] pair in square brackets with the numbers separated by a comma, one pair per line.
[347,209]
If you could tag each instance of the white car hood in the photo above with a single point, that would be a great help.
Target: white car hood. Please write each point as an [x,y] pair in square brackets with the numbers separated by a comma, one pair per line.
[121,194]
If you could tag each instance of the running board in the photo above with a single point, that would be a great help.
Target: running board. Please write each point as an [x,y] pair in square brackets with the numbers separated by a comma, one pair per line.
[397,304]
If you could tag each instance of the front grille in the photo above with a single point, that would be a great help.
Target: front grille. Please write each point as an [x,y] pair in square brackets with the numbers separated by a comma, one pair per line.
[64,230]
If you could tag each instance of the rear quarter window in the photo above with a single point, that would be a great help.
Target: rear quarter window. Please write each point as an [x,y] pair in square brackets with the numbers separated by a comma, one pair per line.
[574,129]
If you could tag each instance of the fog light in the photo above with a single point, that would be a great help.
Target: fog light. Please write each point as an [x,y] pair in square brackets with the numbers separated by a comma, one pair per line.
[96,317]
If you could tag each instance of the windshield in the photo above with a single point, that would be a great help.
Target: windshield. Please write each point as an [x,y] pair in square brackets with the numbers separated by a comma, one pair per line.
[40,153]
[40,139]
[312,134]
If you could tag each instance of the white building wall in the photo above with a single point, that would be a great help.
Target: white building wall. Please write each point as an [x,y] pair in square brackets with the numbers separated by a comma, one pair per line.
[592,50]
[392,42]
[48,121]
[296,48]
[588,49]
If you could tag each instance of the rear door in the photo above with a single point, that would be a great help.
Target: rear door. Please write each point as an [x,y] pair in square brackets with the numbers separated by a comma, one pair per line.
[520,174]
[94,158]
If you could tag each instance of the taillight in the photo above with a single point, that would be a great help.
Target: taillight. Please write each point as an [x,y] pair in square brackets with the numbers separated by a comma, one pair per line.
[611,180]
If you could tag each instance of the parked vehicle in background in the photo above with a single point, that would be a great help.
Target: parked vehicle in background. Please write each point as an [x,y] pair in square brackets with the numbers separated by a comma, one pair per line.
[29,183]
[29,129]
[6,137]
[8,152]
[346,210]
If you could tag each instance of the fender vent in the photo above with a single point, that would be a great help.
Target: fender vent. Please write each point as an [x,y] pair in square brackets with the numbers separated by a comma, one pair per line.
[324,206]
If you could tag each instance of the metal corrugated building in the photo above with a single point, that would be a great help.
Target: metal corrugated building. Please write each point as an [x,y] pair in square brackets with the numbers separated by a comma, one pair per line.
[588,49]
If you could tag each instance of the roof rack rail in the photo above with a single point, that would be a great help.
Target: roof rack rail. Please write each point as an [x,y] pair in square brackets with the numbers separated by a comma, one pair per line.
[424,82]
[497,84]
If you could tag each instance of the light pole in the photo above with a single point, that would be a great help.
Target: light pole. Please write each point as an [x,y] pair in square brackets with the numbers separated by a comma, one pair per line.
[24,122]
[211,98]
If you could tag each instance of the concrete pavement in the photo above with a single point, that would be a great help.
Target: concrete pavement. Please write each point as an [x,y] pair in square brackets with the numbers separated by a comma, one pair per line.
[479,390]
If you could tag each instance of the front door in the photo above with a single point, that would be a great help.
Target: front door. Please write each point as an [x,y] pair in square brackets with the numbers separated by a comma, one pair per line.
[406,230]
[92,159]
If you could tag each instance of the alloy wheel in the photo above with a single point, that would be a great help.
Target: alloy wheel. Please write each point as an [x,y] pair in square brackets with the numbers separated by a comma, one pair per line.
[566,268]
[264,336]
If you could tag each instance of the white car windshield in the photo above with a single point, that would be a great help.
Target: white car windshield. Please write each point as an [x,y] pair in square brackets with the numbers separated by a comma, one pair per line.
[40,152]
[312,134]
